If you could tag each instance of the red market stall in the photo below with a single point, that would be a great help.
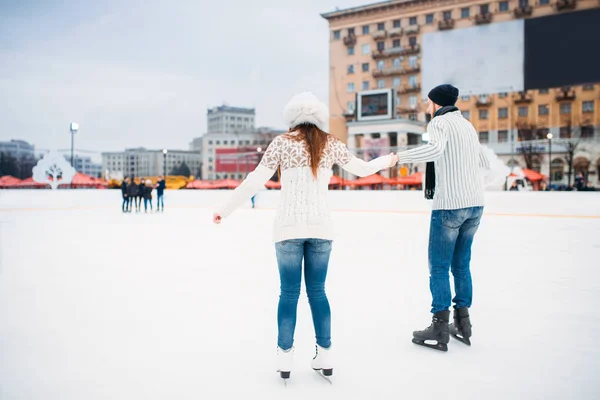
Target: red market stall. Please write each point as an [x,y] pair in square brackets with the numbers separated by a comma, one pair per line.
[371,180]
[415,179]
[8,181]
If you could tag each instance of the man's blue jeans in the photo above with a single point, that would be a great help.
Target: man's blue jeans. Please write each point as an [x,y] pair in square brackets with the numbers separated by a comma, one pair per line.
[450,238]
[290,254]
[160,200]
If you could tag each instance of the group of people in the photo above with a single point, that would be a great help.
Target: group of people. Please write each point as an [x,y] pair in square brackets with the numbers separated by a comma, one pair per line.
[303,232]
[134,193]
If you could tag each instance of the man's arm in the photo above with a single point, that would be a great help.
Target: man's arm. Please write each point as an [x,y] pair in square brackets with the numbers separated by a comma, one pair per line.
[432,150]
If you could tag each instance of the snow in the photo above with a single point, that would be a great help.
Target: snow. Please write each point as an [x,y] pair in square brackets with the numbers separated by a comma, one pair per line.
[96,304]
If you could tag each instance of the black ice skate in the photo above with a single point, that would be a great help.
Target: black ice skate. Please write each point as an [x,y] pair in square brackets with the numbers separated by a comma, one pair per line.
[461,328]
[437,331]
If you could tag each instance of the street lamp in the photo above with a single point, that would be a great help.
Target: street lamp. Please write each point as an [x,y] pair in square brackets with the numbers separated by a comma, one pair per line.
[74,127]
[165,163]
[549,136]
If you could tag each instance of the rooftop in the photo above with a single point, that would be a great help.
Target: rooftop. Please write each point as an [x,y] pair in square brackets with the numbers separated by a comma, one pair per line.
[366,7]
[239,110]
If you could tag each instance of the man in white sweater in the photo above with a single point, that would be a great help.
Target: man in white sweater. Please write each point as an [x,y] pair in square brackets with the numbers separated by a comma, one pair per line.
[455,183]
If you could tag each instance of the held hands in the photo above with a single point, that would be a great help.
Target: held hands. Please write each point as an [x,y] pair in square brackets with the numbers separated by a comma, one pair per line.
[217,218]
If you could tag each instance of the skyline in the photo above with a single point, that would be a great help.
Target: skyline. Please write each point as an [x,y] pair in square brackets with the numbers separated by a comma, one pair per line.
[145,73]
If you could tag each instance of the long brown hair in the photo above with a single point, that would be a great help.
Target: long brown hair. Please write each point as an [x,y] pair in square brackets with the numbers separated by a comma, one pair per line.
[315,141]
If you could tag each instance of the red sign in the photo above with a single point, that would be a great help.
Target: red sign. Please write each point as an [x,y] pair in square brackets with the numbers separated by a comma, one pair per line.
[236,160]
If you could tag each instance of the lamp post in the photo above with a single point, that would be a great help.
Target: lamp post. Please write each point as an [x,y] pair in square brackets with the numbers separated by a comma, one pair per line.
[549,136]
[74,127]
[165,162]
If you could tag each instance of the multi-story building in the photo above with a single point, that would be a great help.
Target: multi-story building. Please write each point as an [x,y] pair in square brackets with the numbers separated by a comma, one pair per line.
[140,162]
[85,165]
[226,119]
[378,46]
[18,149]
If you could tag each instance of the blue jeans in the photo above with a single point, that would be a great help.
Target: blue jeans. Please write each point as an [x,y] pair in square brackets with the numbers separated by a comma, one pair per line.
[290,254]
[160,199]
[146,202]
[450,238]
[125,205]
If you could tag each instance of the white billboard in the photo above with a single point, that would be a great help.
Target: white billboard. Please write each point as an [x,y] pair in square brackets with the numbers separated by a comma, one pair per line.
[482,59]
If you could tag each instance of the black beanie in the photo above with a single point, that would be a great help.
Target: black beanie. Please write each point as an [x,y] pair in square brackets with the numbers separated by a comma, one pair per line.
[444,95]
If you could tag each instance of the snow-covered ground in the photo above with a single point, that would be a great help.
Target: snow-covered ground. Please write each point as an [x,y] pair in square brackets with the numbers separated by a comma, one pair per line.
[96,304]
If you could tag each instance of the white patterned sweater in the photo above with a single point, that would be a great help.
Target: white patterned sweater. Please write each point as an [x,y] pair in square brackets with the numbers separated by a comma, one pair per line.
[303,210]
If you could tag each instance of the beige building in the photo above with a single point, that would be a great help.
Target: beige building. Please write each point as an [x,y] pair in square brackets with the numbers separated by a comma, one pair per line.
[140,162]
[378,46]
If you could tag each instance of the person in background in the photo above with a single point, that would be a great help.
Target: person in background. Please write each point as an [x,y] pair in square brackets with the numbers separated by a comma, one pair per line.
[132,193]
[252,200]
[140,196]
[147,194]
[160,191]
[303,231]
[124,185]
[514,187]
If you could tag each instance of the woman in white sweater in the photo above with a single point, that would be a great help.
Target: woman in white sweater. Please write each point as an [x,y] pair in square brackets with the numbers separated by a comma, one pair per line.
[303,225]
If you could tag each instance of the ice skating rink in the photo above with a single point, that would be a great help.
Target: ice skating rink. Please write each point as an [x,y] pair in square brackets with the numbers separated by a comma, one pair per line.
[96,304]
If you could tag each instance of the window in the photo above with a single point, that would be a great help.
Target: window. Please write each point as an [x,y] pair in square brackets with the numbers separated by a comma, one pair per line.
[365,67]
[465,98]
[381,84]
[350,31]
[466,114]
[380,65]
[365,30]
[483,114]
[544,2]
[523,111]
[447,15]
[210,142]
[351,106]
[543,109]
[351,68]
[503,113]
[502,136]
[336,36]
[365,85]
[396,82]
[484,9]
[565,108]
[224,141]
[381,26]
[350,88]
[396,43]
[398,99]
[484,137]
[412,41]
[218,142]
[412,100]
[587,132]
[523,3]
[366,48]
[465,12]
[543,91]
[412,21]
[565,132]
[588,87]
[503,6]
[381,45]
[587,106]
[412,81]
[429,19]
[412,62]
[351,51]
[396,23]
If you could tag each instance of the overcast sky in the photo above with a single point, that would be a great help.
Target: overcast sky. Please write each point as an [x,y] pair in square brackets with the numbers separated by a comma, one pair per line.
[143,72]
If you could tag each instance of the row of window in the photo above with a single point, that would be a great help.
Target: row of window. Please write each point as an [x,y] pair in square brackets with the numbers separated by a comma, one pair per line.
[239,142]
[484,97]
[465,12]
[565,132]
[413,101]
[396,64]
[543,109]
[413,82]
[396,44]
[225,176]
[230,118]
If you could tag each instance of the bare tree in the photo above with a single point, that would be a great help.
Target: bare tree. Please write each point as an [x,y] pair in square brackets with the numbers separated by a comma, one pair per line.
[570,147]
[527,133]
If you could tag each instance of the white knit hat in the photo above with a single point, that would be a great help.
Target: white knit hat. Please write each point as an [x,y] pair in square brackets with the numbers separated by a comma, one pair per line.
[306,108]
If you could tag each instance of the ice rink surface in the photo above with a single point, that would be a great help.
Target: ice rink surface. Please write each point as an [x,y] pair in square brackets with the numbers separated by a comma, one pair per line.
[96,304]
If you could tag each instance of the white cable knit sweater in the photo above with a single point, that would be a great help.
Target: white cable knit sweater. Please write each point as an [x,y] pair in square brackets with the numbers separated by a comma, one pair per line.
[303,210]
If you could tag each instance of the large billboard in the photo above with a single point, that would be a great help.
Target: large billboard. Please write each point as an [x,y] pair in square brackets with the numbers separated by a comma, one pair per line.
[375,105]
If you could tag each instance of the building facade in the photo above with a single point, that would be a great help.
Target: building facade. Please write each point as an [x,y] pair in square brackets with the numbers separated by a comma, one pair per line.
[140,162]
[378,46]
[18,149]
[226,119]
[85,165]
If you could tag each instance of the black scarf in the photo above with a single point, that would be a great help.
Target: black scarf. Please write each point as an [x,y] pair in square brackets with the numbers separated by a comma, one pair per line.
[430,169]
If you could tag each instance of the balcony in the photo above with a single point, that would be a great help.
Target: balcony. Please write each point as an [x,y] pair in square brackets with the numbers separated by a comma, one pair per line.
[350,40]
[379,35]
[523,11]
[396,32]
[522,98]
[562,5]
[396,51]
[483,101]
[349,115]
[412,30]
[566,93]
[446,24]
[481,19]
[406,110]
[410,89]
[378,73]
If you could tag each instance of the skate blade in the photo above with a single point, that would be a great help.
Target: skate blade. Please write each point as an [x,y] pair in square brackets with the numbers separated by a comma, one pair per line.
[461,339]
[438,346]
[321,373]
